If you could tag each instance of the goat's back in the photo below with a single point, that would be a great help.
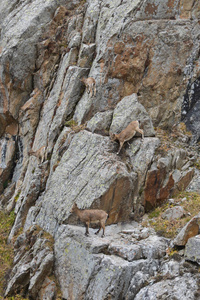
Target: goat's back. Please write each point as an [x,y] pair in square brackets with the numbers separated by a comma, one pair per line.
[128,132]
[93,215]
[91,80]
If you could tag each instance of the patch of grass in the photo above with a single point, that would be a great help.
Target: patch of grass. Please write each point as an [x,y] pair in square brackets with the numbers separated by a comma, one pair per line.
[182,127]
[169,228]
[197,164]
[74,126]
[175,137]
[16,297]
[155,213]
[17,196]
[6,251]
[71,123]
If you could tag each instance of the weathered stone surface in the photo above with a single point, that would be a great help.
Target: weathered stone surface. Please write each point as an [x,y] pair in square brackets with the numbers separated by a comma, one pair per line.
[48,290]
[33,262]
[101,122]
[103,268]
[173,213]
[70,267]
[192,249]
[7,153]
[194,185]
[189,230]
[166,178]
[44,266]
[22,33]
[29,116]
[182,288]
[46,125]
[70,95]
[184,180]
[127,252]
[7,194]
[86,55]
[179,158]
[141,154]
[34,182]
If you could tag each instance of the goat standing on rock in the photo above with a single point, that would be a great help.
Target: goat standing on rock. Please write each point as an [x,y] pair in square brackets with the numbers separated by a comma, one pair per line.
[88,216]
[40,154]
[127,134]
[90,84]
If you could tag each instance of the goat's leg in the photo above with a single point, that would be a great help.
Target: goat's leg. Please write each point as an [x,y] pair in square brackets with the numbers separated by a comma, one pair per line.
[88,89]
[98,230]
[140,131]
[87,228]
[120,147]
[103,227]
[94,90]
[91,92]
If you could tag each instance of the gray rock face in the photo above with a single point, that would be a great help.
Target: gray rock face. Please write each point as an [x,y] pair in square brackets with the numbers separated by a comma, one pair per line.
[100,268]
[31,266]
[192,249]
[189,230]
[71,94]
[7,152]
[48,290]
[194,185]
[119,265]
[173,213]
[100,122]
[180,288]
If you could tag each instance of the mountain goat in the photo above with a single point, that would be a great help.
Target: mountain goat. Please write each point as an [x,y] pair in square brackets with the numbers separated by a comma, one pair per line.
[90,84]
[88,216]
[126,134]
[40,154]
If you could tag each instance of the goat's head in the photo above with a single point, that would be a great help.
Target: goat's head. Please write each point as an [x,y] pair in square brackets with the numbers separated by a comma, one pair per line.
[74,207]
[82,79]
[112,136]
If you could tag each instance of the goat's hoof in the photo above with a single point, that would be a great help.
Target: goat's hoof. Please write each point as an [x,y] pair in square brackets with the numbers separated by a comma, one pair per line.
[86,234]
[102,235]
[96,232]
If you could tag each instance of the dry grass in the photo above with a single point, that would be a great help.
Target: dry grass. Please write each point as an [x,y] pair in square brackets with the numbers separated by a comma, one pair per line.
[168,228]
[173,138]
[6,251]
[74,126]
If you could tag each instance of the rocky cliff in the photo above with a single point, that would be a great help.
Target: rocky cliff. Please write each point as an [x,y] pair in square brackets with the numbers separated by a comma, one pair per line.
[144,57]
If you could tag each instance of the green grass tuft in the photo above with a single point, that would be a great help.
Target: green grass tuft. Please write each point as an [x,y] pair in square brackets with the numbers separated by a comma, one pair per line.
[169,228]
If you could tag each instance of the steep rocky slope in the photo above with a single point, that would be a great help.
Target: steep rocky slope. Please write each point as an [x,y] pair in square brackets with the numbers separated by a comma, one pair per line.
[144,56]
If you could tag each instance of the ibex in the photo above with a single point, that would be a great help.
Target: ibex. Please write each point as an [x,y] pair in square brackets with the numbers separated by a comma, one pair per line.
[88,216]
[126,134]
[40,154]
[90,84]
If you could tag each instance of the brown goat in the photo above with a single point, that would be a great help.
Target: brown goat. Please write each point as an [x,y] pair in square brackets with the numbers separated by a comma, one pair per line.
[126,134]
[40,154]
[88,216]
[90,84]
